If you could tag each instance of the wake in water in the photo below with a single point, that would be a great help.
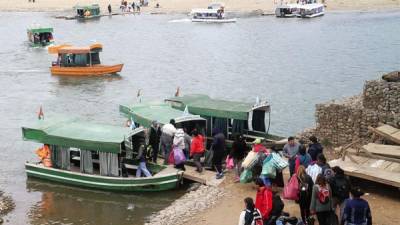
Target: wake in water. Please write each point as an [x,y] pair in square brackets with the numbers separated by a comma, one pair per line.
[180,21]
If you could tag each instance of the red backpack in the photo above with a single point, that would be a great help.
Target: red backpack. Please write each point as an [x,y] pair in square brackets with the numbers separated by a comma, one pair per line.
[323,195]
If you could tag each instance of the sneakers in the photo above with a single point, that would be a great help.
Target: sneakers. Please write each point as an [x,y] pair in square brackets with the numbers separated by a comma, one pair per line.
[219,175]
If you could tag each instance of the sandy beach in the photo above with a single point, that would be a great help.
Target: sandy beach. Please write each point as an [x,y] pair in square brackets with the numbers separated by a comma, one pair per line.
[183,6]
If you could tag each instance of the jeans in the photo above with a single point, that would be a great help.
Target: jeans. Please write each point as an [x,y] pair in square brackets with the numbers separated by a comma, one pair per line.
[196,160]
[155,152]
[166,150]
[142,168]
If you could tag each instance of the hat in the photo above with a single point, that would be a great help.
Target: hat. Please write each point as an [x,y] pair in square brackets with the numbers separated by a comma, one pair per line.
[257,141]
[356,192]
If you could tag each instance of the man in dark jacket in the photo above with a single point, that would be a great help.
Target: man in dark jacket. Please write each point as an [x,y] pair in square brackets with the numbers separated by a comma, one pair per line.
[357,210]
[154,139]
[341,186]
[218,147]
[315,148]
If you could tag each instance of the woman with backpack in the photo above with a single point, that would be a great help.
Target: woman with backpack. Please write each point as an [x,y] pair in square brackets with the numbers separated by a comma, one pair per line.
[302,158]
[238,152]
[321,201]
[357,210]
[251,215]
[305,193]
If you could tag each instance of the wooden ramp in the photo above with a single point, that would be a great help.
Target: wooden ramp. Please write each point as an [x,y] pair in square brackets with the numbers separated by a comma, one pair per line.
[206,177]
[384,150]
[387,132]
[377,170]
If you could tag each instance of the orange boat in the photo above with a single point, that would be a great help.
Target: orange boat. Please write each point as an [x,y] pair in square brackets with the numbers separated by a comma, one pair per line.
[80,61]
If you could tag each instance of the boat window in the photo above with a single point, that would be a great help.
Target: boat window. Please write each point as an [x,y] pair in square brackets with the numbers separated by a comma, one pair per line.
[95,58]
[258,122]
[60,157]
[189,126]
[80,12]
[108,164]
[238,126]
[86,161]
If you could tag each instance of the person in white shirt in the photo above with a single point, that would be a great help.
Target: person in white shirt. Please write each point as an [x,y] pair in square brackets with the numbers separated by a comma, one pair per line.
[167,134]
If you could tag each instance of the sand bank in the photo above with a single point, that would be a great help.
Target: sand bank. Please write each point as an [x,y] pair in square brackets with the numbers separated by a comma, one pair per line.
[183,6]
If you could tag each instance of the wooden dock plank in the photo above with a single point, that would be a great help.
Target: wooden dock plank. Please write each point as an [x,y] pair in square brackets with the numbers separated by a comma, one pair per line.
[367,172]
[388,132]
[385,150]
[206,177]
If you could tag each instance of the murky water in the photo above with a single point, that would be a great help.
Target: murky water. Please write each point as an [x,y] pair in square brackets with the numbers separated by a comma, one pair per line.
[293,63]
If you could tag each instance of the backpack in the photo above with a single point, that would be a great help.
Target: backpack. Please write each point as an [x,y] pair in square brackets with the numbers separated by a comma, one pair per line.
[340,187]
[251,217]
[323,195]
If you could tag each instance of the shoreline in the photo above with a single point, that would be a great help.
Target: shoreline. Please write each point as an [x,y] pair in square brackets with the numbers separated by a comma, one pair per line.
[185,6]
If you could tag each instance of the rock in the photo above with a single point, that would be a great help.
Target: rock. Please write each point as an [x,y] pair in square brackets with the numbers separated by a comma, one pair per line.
[392,76]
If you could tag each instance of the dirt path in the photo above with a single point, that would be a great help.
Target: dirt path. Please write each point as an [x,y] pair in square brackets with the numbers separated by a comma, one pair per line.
[384,202]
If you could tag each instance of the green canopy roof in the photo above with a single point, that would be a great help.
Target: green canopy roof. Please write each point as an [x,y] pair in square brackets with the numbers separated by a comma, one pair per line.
[79,134]
[144,114]
[41,30]
[87,7]
[203,105]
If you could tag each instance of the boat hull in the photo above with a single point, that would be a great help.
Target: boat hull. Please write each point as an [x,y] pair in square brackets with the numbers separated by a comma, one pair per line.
[40,45]
[214,20]
[312,16]
[145,184]
[97,70]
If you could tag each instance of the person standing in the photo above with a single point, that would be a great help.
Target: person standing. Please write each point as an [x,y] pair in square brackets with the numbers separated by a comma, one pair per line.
[167,135]
[321,200]
[302,158]
[109,8]
[218,148]
[357,210]
[341,186]
[315,148]
[278,180]
[197,149]
[264,199]
[290,151]
[154,139]
[179,142]
[277,207]
[305,191]
[238,152]
[142,161]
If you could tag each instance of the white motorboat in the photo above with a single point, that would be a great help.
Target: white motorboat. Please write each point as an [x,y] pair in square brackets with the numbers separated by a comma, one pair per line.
[287,10]
[215,13]
[311,10]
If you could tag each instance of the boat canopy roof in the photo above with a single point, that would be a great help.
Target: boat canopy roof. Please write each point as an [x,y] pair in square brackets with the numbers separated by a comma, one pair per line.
[205,106]
[68,49]
[204,11]
[78,134]
[87,7]
[145,113]
[216,5]
[310,6]
[288,6]
[41,30]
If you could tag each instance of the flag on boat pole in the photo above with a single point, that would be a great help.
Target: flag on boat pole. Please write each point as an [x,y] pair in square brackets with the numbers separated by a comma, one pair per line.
[178,90]
[186,111]
[132,126]
[40,113]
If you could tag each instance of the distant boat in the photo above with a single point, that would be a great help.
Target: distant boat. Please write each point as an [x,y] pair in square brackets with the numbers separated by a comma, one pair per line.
[80,61]
[287,10]
[215,13]
[311,10]
[40,36]
[86,12]
[94,156]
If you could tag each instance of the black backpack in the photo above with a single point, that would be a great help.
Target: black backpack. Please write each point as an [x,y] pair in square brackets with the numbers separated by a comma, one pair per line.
[341,187]
[251,216]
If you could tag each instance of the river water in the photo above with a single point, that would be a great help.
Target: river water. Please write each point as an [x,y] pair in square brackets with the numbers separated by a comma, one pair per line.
[293,63]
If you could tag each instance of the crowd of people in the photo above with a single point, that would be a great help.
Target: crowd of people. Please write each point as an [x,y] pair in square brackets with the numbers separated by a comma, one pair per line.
[322,193]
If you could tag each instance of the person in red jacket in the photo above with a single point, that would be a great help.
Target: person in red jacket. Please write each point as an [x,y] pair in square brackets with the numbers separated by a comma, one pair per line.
[197,149]
[264,199]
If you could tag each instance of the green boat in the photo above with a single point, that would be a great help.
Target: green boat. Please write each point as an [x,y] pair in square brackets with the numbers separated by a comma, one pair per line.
[251,120]
[40,36]
[144,113]
[87,12]
[94,156]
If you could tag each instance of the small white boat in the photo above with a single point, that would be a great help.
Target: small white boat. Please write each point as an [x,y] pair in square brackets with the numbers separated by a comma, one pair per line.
[287,10]
[311,10]
[215,13]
